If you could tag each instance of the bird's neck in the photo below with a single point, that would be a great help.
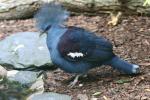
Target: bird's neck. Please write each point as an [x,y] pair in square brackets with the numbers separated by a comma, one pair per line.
[56,31]
[54,34]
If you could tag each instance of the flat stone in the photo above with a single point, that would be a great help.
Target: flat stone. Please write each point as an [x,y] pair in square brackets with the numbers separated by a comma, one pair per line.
[23,77]
[24,49]
[49,96]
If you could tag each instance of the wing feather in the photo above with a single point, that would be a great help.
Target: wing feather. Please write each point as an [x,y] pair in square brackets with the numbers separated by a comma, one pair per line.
[78,44]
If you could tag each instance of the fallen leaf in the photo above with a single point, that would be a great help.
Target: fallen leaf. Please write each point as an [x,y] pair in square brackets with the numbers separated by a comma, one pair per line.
[145,64]
[146,42]
[139,80]
[148,90]
[94,98]
[141,29]
[144,98]
[96,93]
[142,77]
[82,97]
[122,81]
[106,98]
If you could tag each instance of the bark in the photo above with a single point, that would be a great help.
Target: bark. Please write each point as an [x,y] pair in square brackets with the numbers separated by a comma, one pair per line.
[12,9]
[106,6]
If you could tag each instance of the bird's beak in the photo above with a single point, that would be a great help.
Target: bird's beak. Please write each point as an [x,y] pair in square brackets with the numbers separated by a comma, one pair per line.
[41,33]
[45,30]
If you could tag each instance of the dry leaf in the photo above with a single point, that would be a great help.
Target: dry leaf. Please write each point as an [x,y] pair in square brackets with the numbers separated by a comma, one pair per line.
[145,64]
[148,90]
[122,81]
[106,98]
[96,93]
[94,98]
[82,97]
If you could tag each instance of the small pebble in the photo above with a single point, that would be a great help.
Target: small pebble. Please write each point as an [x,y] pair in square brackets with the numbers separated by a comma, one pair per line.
[80,85]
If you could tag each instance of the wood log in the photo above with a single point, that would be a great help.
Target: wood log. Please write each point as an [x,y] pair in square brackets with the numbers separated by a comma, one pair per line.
[20,9]
[106,6]
[12,9]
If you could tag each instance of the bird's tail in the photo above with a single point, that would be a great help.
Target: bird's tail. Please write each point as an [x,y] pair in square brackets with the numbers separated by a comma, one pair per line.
[50,14]
[124,66]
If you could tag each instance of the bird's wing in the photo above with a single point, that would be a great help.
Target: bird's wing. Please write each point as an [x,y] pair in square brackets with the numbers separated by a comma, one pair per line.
[77,44]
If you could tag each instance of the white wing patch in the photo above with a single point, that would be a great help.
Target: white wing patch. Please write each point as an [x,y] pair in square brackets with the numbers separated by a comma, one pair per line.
[75,54]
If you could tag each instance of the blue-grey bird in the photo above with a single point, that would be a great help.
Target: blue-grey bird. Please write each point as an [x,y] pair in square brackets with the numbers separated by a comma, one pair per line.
[74,49]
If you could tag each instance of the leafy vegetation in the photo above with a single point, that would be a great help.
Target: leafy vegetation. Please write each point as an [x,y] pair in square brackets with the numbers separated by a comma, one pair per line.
[146,3]
[10,90]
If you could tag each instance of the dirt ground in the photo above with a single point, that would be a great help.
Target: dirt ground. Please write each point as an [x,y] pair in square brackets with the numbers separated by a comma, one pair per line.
[131,40]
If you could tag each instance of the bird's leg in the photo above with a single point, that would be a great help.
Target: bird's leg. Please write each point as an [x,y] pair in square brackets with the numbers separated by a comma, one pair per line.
[73,83]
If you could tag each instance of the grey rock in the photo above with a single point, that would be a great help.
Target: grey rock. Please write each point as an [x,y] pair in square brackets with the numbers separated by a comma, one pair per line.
[49,96]
[38,85]
[28,78]
[24,49]
[10,90]
[23,77]
[3,72]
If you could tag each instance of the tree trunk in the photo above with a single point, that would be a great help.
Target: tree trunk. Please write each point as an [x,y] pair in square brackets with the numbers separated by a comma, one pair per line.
[106,6]
[12,9]
[18,9]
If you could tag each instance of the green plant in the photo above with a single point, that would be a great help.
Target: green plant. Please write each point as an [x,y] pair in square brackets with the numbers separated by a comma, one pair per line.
[146,3]
[10,90]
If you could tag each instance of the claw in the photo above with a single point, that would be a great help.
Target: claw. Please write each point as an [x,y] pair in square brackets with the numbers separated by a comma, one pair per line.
[72,84]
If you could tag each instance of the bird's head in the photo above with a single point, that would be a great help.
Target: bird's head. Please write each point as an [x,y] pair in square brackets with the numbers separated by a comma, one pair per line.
[50,14]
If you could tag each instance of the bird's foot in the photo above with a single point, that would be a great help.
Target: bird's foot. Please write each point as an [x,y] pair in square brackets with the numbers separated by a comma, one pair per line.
[73,83]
